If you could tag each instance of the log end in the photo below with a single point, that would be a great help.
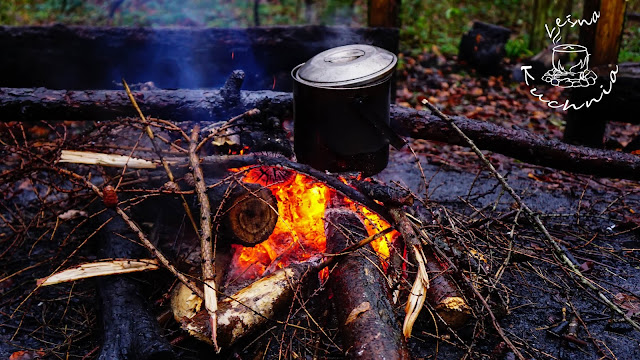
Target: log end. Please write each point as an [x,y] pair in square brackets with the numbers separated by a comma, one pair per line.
[454,311]
[252,217]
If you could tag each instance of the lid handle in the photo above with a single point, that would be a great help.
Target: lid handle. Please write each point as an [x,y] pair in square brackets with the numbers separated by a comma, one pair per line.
[344,56]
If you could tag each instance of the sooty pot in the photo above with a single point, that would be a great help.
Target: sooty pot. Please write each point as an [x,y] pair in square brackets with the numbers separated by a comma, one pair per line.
[341,109]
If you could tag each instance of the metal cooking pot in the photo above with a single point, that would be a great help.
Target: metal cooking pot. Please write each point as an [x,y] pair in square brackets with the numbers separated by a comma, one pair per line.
[341,109]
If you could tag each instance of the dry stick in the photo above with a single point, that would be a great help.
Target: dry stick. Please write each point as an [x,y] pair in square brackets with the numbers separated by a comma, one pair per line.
[476,293]
[206,244]
[157,254]
[143,239]
[418,292]
[158,152]
[558,251]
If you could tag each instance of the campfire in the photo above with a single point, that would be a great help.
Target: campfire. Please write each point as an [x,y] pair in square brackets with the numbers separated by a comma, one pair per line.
[300,231]
[260,245]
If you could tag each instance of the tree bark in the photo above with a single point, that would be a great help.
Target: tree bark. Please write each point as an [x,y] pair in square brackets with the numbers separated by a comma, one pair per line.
[177,105]
[587,125]
[369,327]
[383,13]
[247,217]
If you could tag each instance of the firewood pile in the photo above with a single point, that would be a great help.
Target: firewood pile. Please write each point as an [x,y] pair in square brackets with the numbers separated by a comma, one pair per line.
[250,254]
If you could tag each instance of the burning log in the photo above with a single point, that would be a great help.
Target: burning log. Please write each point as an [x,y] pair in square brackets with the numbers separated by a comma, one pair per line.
[247,310]
[251,216]
[129,328]
[247,216]
[367,321]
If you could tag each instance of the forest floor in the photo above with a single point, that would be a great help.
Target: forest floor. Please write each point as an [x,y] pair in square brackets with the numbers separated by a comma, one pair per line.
[596,219]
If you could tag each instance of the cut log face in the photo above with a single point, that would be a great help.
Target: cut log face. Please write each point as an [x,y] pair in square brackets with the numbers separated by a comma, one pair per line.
[252,217]
[444,296]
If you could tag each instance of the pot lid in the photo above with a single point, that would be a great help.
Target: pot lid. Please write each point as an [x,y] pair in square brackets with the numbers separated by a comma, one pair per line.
[347,66]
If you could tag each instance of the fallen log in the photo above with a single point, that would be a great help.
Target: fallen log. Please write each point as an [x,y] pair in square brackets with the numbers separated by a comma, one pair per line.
[210,105]
[519,144]
[369,326]
[86,57]
[19,104]
[130,331]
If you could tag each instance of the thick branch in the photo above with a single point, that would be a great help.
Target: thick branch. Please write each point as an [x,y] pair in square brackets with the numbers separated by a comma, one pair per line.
[210,105]
[130,329]
[519,144]
[176,105]
[366,318]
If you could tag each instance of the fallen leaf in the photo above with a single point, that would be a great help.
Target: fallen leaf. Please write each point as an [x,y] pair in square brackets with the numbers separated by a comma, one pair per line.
[26,355]
[586,266]
[628,302]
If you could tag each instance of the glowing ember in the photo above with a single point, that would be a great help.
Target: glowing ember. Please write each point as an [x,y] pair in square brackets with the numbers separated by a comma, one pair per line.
[299,232]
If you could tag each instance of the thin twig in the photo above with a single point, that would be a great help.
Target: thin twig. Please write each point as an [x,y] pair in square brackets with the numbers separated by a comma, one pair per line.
[206,245]
[143,239]
[158,152]
[549,240]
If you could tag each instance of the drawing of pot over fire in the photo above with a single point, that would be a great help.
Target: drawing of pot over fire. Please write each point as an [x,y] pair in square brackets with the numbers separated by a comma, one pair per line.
[566,75]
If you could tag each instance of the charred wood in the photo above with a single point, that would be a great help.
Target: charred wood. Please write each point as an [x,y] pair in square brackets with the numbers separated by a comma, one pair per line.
[251,215]
[176,105]
[130,331]
[369,326]
[247,213]
[231,88]
[483,47]
[389,196]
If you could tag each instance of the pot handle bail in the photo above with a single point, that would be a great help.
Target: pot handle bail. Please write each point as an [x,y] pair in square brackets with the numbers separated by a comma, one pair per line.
[373,118]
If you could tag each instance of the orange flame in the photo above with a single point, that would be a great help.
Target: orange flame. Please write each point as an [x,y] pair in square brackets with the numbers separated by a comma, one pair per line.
[299,232]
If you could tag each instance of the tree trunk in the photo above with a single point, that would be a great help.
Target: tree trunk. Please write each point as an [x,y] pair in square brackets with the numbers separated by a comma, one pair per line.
[61,57]
[383,13]
[585,126]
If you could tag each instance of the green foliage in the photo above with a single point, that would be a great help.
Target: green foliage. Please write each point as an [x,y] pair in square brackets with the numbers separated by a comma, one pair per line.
[428,23]
[425,23]
[630,49]
[518,47]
